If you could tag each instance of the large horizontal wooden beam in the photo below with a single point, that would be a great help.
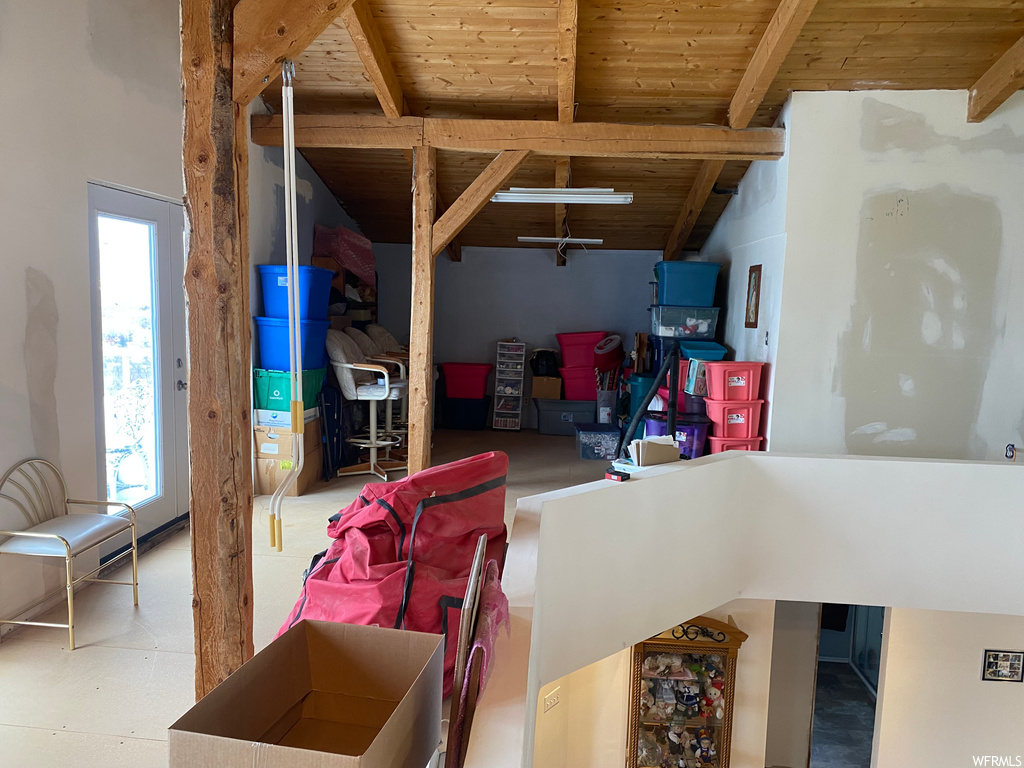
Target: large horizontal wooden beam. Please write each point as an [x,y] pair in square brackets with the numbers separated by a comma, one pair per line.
[266,32]
[476,196]
[541,137]
[1002,80]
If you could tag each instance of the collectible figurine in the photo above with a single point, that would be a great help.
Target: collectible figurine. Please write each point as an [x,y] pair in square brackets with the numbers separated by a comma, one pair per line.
[646,703]
[711,668]
[713,700]
[648,753]
[678,739]
[686,698]
[704,749]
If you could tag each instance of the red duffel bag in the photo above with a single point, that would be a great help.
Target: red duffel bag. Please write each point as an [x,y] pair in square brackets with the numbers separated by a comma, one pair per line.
[403,551]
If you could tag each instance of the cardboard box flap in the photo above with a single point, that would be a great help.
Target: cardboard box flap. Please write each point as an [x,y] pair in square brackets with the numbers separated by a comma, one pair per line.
[270,683]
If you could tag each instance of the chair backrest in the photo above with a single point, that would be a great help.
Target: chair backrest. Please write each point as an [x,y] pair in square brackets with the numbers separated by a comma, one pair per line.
[366,344]
[383,338]
[31,492]
[342,349]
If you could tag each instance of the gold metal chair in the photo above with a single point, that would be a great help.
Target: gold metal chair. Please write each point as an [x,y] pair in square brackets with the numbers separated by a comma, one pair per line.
[36,490]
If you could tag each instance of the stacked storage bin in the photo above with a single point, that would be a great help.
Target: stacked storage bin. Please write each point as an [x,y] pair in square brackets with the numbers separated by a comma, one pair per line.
[272,392]
[466,402]
[733,405]
[683,313]
[578,363]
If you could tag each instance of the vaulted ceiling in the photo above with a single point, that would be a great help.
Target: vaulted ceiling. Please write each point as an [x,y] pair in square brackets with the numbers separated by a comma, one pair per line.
[637,61]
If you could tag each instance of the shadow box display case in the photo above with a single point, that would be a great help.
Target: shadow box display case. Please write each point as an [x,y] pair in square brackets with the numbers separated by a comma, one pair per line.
[682,690]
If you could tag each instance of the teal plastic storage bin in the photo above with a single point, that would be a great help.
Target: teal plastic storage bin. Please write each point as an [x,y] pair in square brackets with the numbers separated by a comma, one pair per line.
[272,390]
[702,350]
[687,283]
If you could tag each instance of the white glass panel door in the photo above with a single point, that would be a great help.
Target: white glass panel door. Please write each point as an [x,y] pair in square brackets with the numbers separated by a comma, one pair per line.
[138,325]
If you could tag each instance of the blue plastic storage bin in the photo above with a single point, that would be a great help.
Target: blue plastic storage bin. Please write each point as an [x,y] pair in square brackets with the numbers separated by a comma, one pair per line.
[314,291]
[687,283]
[273,343]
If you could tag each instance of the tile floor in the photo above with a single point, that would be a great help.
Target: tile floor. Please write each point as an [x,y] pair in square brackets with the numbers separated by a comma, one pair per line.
[108,704]
[844,719]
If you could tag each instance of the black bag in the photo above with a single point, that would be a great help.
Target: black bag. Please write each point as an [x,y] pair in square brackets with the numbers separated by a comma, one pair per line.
[543,363]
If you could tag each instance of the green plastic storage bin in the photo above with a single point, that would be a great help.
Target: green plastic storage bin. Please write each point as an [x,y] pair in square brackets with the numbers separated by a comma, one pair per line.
[272,390]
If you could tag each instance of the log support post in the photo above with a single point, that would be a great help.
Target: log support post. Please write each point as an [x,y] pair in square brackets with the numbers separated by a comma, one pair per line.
[217,295]
[421,325]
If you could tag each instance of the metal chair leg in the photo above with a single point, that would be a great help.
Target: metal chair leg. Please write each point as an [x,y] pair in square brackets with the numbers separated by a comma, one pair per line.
[68,561]
[135,566]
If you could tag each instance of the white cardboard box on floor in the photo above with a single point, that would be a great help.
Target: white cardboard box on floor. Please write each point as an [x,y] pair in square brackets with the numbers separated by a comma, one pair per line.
[323,695]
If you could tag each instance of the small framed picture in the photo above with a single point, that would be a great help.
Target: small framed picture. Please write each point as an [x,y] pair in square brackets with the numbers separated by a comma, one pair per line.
[1007,666]
[753,296]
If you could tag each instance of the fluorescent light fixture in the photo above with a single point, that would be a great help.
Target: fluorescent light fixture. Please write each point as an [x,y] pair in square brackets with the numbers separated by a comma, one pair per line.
[591,195]
[566,240]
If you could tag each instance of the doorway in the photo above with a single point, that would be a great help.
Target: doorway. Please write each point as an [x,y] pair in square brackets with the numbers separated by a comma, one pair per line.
[849,655]
[139,364]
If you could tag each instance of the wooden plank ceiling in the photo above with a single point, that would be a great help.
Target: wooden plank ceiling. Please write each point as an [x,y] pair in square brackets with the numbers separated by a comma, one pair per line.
[638,61]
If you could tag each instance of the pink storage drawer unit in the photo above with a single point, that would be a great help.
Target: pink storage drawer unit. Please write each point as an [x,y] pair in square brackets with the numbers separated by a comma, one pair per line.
[580,383]
[734,418]
[466,380]
[736,380]
[719,444]
[578,348]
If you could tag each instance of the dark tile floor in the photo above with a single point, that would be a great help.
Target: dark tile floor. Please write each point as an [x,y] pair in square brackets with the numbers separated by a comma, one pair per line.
[844,719]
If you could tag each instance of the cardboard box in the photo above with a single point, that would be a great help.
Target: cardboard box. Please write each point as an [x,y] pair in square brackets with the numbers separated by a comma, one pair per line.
[270,473]
[267,418]
[323,695]
[276,442]
[696,379]
[340,322]
[546,388]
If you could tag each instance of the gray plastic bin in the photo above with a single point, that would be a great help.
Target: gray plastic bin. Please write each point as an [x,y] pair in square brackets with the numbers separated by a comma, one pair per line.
[559,417]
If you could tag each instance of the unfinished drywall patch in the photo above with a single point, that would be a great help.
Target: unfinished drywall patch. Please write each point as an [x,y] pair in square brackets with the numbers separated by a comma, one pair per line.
[886,127]
[41,318]
[129,40]
[912,365]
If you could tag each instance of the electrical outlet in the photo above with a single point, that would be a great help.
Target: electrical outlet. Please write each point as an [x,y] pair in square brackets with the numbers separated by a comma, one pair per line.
[552,699]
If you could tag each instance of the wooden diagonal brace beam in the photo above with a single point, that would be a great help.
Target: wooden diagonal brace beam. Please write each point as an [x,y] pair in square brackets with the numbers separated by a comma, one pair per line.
[1002,80]
[567,27]
[476,196]
[266,32]
[370,47]
[776,42]
[702,185]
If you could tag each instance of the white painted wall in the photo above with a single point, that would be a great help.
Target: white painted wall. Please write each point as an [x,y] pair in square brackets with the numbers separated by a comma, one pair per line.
[902,332]
[768,526]
[934,708]
[92,92]
[752,231]
[494,293]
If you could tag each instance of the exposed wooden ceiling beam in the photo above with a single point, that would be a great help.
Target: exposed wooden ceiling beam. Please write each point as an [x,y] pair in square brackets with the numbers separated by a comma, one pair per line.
[702,186]
[476,196]
[567,25]
[771,51]
[541,137]
[370,47]
[266,32]
[776,42]
[1002,80]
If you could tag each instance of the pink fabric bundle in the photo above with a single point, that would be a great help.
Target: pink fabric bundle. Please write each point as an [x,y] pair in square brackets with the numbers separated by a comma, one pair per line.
[493,613]
[352,251]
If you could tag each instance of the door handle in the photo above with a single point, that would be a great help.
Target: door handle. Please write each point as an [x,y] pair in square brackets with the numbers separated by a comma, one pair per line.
[182,385]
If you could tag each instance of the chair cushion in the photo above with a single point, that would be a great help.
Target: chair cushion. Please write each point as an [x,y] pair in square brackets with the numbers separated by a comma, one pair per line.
[82,532]
[399,389]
